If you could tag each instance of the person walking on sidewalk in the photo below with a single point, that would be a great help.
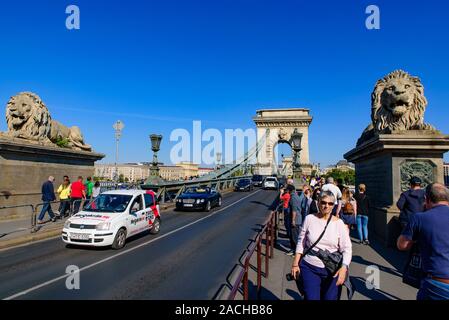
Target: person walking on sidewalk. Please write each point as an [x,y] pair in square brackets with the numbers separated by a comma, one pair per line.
[89,187]
[48,195]
[296,217]
[348,211]
[330,186]
[96,190]
[363,205]
[321,232]
[411,201]
[78,194]
[285,202]
[429,230]
[64,196]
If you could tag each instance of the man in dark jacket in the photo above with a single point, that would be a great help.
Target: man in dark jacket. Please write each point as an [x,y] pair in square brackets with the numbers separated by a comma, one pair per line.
[411,201]
[48,195]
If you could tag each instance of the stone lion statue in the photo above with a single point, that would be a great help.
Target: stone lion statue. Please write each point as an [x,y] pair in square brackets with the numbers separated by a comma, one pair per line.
[28,118]
[397,104]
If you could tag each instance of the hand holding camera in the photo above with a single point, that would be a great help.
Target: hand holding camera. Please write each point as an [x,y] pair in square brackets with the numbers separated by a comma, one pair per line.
[294,275]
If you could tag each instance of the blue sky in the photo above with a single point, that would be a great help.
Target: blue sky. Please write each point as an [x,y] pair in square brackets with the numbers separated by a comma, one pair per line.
[159,65]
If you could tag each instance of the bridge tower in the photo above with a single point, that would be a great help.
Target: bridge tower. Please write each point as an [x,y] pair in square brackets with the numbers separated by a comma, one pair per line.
[281,123]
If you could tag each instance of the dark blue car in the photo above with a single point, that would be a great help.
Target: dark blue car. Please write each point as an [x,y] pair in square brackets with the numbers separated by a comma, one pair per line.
[244,185]
[198,198]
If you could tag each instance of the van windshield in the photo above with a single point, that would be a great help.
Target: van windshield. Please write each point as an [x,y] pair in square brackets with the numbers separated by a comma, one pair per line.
[109,203]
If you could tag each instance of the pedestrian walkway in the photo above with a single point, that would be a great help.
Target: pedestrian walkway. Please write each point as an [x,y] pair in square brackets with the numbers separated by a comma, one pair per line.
[365,259]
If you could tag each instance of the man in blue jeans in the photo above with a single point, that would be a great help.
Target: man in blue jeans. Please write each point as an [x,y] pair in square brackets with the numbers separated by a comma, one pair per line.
[429,230]
[48,195]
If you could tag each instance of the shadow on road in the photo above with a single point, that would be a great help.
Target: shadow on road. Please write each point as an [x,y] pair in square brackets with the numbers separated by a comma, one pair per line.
[260,203]
[360,260]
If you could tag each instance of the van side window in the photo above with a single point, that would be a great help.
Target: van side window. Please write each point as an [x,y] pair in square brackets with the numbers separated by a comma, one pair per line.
[137,204]
[148,200]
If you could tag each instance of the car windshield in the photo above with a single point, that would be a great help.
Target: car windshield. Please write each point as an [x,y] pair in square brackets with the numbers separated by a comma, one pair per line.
[244,181]
[196,190]
[109,203]
[271,179]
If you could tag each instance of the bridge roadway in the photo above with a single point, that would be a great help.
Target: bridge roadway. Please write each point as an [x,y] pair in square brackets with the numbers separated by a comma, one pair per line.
[189,259]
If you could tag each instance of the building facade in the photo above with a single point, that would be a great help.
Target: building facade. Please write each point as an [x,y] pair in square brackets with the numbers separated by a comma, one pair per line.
[342,165]
[135,172]
[131,172]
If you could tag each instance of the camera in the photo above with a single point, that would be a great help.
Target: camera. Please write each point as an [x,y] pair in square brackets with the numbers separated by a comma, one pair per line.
[289,276]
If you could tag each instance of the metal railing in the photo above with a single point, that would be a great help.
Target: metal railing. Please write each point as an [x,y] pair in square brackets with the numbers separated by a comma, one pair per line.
[15,225]
[269,236]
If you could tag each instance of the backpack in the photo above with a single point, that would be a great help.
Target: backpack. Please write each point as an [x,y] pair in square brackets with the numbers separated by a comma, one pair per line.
[348,208]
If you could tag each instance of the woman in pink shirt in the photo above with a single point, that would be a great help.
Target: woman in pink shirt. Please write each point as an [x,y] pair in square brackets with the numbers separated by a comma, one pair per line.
[319,284]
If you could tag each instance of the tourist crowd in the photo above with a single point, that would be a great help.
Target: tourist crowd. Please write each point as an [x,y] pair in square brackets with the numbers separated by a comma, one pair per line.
[71,195]
[318,221]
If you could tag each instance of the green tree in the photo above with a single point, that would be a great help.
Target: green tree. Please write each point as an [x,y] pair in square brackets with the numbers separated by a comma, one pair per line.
[348,177]
[121,178]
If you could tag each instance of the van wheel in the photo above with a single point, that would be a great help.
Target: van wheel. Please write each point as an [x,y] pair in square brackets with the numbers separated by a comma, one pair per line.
[120,239]
[156,226]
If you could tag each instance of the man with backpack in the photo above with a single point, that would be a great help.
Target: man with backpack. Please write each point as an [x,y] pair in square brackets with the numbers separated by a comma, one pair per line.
[411,201]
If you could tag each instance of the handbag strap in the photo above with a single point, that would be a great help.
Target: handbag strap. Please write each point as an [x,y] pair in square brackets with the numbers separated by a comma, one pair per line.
[320,237]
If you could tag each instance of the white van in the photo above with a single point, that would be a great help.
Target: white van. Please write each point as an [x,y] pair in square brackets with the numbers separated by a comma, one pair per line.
[113,217]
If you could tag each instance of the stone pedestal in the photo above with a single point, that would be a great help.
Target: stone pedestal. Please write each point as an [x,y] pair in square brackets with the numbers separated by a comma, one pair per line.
[385,164]
[24,167]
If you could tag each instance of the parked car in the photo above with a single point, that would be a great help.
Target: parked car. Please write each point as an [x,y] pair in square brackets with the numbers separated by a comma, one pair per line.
[113,217]
[257,180]
[244,185]
[199,198]
[271,183]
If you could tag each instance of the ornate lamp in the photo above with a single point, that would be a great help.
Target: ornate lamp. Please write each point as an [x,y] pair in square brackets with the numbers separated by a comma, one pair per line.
[154,178]
[295,142]
[155,146]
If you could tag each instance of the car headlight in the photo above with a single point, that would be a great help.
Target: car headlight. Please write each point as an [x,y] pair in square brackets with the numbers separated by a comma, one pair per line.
[67,224]
[179,200]
[103,226]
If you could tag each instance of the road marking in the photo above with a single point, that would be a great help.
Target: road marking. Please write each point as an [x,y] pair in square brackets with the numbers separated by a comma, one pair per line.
[22,293]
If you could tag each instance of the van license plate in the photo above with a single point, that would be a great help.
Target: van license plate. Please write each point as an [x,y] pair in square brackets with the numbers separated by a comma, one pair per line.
[79,236]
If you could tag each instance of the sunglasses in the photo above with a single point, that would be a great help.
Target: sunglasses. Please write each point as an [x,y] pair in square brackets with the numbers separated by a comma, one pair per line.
[323,203]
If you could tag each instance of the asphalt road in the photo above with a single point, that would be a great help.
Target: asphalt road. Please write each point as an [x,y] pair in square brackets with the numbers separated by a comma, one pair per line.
[189,259]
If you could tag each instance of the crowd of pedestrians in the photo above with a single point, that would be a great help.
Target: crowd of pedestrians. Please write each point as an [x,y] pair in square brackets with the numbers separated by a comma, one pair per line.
[319,218]
[71,196]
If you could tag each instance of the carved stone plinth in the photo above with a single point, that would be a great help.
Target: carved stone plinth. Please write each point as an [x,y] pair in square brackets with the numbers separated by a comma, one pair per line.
[385,164]
[24,167]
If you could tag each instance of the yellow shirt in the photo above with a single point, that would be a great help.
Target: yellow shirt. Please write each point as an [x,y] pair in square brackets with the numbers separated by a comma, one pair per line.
[64,193]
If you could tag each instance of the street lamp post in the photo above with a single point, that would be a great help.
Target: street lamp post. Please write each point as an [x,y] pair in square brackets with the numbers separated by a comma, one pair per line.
[118,127]
[295,142]
[155,178]
[218,160]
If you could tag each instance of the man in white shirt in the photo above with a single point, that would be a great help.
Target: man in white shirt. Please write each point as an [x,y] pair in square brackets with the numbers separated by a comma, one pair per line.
[330,186]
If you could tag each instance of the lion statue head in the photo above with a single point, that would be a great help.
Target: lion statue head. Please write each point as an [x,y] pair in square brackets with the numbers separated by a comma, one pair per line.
[397,104]
[27,117]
